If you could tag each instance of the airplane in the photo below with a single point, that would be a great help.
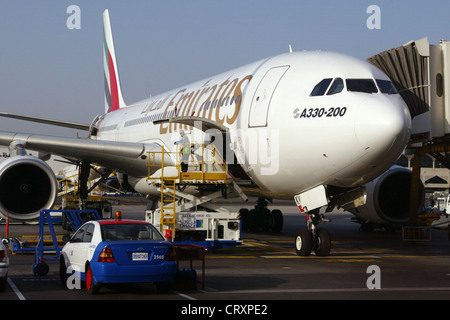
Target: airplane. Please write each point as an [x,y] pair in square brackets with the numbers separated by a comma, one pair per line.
[313,126]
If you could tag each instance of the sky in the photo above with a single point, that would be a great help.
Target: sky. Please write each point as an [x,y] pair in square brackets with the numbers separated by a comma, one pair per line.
[49,70]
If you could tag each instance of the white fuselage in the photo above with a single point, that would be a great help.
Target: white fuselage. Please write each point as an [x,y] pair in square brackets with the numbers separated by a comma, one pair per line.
[286,139]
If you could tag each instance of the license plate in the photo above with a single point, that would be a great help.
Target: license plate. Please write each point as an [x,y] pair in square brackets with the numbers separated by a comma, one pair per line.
[139,256]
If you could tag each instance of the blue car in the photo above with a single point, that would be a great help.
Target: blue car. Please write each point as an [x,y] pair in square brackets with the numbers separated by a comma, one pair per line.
[117,251]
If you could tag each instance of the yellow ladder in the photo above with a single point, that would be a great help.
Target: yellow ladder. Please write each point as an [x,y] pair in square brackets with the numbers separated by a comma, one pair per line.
[168,203]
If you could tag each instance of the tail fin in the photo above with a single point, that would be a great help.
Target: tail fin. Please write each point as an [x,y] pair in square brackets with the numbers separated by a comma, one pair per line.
[113,92]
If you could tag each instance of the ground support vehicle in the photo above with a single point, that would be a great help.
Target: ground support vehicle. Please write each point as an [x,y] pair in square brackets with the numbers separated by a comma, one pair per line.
[103,207]
[185,211]
[80,191]
[212,230]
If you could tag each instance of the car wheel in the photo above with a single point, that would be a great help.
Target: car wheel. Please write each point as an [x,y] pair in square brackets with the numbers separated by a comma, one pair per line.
[62,271]
[91,287]
[3,283]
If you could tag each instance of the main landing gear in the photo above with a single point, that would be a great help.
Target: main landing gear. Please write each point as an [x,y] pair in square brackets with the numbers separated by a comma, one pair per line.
[261,219]
[313,238]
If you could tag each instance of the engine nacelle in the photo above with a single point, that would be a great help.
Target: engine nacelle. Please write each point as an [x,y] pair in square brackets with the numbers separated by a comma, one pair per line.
[388,198]
[27,185]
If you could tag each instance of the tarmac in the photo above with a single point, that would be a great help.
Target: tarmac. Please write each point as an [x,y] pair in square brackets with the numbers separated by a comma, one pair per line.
[376,265]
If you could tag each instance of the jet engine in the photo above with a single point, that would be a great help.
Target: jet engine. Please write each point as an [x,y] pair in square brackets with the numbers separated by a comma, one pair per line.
[27,185]
[388,199]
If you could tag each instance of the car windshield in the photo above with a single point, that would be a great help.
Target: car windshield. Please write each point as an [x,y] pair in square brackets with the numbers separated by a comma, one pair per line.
[125,232]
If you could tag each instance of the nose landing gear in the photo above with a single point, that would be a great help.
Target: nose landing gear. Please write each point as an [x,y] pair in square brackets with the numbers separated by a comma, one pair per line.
[313,238]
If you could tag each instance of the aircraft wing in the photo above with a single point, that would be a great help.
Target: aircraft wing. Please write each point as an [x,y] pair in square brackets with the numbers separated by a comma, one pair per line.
[120,156]
[59,123]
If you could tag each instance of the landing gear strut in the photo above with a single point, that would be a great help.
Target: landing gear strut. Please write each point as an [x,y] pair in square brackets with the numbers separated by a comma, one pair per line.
[313,238]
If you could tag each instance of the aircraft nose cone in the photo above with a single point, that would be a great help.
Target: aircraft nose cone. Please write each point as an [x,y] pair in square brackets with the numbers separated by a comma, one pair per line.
[383,126]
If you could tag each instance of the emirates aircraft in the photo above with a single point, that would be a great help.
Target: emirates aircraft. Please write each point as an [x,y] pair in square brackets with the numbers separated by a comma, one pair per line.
[316,127]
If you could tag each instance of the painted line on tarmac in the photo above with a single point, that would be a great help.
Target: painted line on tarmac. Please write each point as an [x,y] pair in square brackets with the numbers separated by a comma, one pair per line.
[269,247]
[184,295]
[328,258]
[15,289]
[339,254]
[332,290]
[231,257]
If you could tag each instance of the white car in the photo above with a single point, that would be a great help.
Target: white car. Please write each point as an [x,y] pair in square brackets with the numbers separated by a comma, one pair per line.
[4,265]
[118,251]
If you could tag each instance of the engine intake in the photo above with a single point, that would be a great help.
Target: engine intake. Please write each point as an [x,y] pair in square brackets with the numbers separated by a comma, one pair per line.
[388,198]
[27,185]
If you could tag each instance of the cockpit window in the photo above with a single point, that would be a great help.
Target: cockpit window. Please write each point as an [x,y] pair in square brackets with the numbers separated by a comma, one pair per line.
[361,85]
[386,86]
[336,87]
[321,87]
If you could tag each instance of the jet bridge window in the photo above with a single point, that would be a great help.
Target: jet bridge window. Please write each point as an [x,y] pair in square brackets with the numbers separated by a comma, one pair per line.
[386,86]
[361,85]
[321,87]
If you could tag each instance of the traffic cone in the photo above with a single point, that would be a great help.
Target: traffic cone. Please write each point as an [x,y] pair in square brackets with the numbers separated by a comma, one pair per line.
[168,235]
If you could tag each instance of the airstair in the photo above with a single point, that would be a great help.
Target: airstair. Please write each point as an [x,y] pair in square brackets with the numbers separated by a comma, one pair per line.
[186,212]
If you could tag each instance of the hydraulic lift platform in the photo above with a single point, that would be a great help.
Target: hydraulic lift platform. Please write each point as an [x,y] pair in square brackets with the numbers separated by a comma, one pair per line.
[187,213]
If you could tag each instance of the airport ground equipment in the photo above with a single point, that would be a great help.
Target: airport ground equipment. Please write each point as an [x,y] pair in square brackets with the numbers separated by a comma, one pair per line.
[421,73]
[76,217]
[187,213]
[79,192]
[29,243]
[186,278]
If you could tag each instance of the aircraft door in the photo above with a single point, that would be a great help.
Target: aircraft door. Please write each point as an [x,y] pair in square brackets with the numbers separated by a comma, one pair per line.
[259,109]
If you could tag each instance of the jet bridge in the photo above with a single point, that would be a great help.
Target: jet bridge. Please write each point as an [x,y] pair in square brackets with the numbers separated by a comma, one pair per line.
[421,73]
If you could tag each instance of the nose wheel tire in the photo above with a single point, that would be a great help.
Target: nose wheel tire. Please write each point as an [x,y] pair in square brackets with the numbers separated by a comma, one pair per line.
[303,243]
[306,241]
[322,244]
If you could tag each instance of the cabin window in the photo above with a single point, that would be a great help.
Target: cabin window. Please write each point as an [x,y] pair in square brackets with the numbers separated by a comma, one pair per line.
[321,87]
[361,85]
